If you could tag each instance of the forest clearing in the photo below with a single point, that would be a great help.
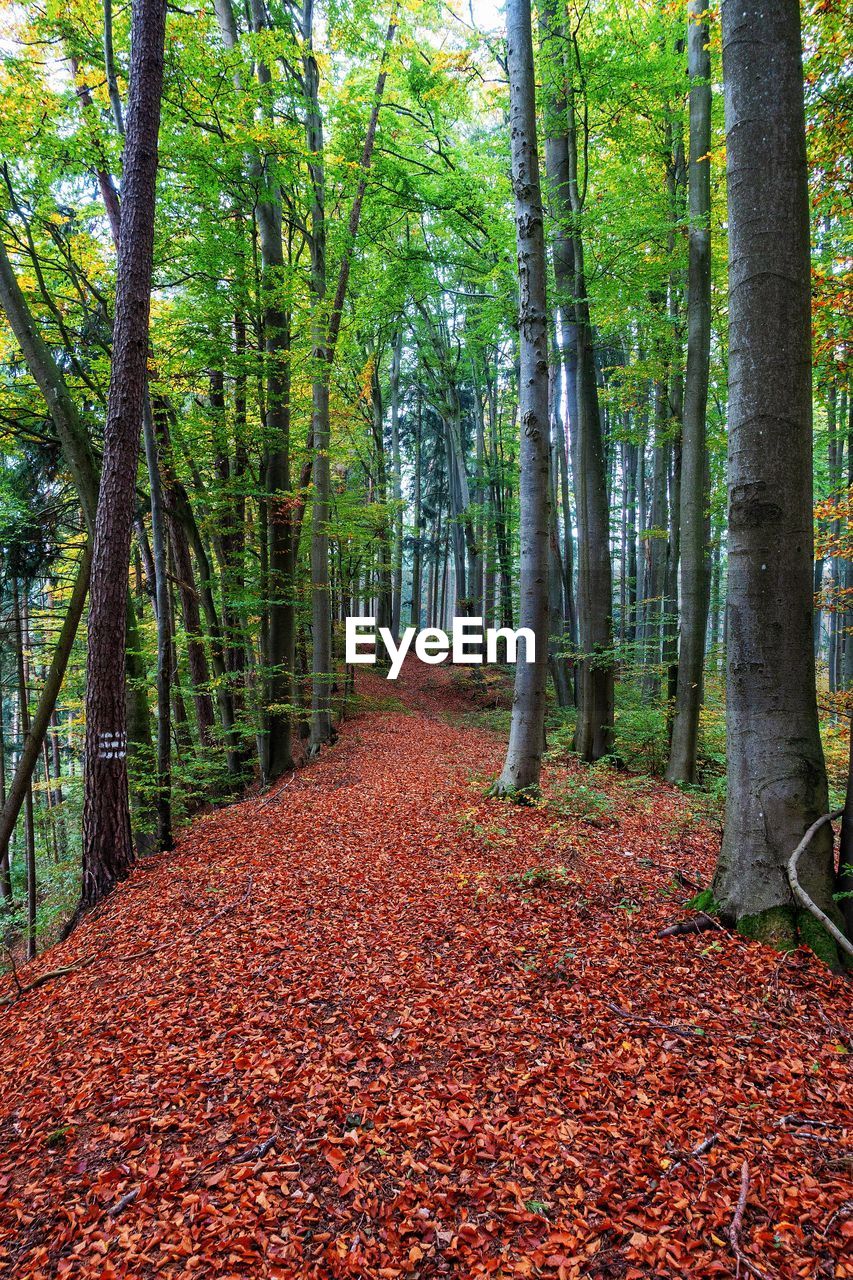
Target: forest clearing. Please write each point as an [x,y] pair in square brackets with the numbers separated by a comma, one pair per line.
[375,1023]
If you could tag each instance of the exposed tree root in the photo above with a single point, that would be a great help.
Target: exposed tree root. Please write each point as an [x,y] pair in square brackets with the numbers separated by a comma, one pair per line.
[799,892]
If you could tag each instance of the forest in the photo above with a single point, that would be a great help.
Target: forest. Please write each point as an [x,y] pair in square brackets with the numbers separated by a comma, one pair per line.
[335,941]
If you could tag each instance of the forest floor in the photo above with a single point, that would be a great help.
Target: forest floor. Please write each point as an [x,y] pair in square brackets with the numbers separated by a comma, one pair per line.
[375,1024]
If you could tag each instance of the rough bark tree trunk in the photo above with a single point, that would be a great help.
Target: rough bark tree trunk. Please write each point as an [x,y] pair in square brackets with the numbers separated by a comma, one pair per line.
[107,850]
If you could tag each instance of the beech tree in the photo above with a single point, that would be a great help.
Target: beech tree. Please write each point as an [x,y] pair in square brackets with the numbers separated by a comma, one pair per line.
[107,840]
[695,496]
[527,730]
[776,776]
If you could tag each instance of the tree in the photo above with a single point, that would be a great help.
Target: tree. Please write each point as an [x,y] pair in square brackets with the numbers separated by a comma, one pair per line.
[326,341]
[594,732]
[107,845]
[776,776]
[695,566]
[527,730]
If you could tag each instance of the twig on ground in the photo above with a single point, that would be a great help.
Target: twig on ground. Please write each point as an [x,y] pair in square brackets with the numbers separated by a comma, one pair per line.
[13,970]
[842,1211]
[701,1149]
[276,794]
[226,910]
[799,892]
[803,1122]
[843,1035]
[774,981]
[257,1152]
[686,881]
[675,1028]
[737,1223]
[123,1203]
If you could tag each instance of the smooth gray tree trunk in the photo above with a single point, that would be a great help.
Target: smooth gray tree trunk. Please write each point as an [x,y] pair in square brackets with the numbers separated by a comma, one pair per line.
[321,619]
[695,565]
[776,775]
[164,633]
[527,730]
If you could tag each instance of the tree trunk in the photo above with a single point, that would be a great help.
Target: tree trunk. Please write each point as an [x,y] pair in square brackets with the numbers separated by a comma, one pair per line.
[695,568]
[656,546]
[26,763]
[107,850]
[23,704]
[164,634]
[776,776]
[594,730]
[527,730]
[396,487]
[417,537]
[5,868]
[325,346]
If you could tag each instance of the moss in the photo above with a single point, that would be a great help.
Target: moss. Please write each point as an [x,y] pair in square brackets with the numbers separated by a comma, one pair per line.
[777,927]
[704,901]
[785,928]
[813,934]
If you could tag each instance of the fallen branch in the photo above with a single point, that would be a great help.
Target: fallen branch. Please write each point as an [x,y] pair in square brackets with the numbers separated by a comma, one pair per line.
[13,970]
[277,793]
[697,924]
[800,893]
[123,1203]
[737,1223]
[675,1028]
[24,987]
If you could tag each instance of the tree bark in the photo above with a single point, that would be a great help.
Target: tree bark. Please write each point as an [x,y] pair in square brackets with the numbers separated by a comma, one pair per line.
[417,536]
[107,850]
[594,729]
[776,776]
[695,563]
[396,486]
[29,827]
[321,662]
[26,763]
[164,633]
[527,729]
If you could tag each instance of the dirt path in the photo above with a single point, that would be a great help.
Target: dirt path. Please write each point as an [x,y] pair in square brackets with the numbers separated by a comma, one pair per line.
[434,1044]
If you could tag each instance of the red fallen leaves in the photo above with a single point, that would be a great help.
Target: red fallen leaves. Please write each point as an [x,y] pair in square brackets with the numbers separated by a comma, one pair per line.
[435,1046]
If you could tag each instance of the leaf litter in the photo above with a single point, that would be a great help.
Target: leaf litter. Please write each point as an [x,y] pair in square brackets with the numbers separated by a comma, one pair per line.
[376,1024]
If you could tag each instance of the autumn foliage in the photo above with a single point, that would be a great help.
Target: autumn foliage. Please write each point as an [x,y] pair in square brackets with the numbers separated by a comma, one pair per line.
[375,1024]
